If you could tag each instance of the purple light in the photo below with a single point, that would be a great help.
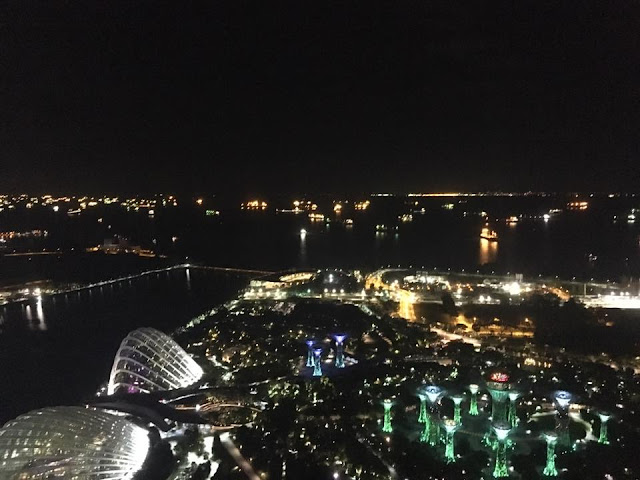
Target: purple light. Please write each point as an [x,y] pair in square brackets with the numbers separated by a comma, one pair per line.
[339,338]
[317,352]
[309,343]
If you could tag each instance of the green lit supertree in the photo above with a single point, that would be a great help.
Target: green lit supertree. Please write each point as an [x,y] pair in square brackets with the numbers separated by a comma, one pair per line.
[501,470]
[550,467]
[386,425]
[457,407]
[422,417]
[424,436]
[604,437]
[473,404]
[513,416]
[434,393]
[450,427]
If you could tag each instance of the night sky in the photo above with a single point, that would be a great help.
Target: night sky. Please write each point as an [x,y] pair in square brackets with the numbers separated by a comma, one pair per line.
[319,96]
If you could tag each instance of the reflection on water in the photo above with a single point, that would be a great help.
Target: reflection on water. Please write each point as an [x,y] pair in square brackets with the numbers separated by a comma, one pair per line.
[36,322]
[488,251]
[42,324]
[302,252]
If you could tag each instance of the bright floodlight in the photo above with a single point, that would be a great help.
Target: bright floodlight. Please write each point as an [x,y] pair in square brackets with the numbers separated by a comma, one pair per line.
[149,360]
[563,399]
[339,338]
[604,417]
[433,392]
[473,388]
[71,442]
[513,395]
[502,430]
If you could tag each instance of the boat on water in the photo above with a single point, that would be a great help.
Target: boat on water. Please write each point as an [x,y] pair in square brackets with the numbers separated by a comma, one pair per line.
[489,234]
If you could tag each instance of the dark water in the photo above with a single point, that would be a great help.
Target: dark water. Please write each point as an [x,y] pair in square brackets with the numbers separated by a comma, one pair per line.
[598,242]
[60,349]
[572,244]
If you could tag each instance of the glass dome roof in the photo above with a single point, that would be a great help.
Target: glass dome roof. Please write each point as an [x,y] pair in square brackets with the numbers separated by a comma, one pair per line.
[149,360]
[71,443]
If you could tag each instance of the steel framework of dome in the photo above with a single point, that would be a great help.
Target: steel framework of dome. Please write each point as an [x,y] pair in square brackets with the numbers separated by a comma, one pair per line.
[149,360]
[71,443]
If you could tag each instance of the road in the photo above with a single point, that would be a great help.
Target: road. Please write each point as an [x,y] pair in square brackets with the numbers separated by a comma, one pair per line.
[242,462]
[453,337]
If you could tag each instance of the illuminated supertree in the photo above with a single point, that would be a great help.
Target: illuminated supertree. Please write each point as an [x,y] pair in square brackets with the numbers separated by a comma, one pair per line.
[513,416]
[339,350]
[473,404]
[498,385]
[457,407]
[500,469]
[434,393]
[386,426]
[317,363]
[450,427]
[309,353]
[422,416]
[604,418]
[562,401]
[550,467]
